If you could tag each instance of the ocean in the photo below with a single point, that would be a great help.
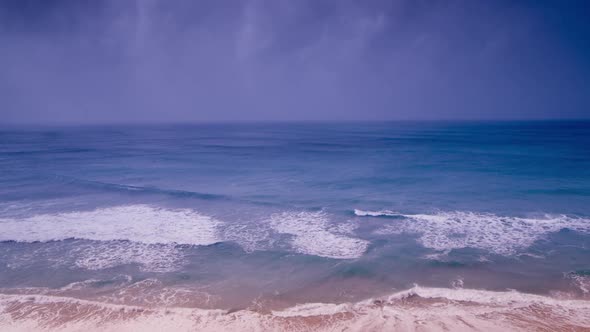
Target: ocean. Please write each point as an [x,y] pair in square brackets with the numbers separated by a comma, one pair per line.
[296,226]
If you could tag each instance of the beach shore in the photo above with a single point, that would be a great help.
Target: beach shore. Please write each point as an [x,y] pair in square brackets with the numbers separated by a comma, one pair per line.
[416,309]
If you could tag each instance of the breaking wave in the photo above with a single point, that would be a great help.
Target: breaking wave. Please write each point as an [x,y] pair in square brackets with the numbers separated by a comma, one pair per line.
[137,223]
[502,235]
[156,238]
[313,235]
[419,308]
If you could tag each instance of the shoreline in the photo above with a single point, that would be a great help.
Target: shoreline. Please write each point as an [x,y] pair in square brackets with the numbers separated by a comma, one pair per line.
[423,308]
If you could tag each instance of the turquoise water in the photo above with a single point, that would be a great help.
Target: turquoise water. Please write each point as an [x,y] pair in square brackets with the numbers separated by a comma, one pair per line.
[293,213]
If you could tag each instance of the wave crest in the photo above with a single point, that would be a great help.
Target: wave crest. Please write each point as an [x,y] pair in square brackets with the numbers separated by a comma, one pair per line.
[502,235]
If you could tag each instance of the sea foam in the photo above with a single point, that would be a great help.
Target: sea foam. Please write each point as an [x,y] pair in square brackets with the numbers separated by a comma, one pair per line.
[380,213]
[139,234]
[313,235]
[502,235]
[416,309]
[137,223]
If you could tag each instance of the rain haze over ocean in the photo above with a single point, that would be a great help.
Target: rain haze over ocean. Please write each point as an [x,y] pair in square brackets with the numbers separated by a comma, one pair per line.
[200,61]
[294,165]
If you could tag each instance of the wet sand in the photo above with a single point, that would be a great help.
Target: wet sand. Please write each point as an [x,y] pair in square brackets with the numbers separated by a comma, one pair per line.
[417,309]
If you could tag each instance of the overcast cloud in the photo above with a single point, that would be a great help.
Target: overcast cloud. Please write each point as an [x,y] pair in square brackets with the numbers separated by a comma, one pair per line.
[210,60]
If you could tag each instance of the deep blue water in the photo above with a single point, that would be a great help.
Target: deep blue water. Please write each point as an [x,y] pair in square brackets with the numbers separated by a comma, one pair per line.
[269,209]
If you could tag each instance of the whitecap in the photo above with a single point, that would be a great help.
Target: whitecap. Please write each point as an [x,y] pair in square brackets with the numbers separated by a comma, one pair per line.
[502,235]
[131,234]
[313,235]
[137,223]
[381,213]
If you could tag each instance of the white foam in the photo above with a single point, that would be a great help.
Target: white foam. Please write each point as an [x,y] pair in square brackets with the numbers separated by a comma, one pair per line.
[582,282]
[137,223]
[417,309]
[148,235]
[84,284]
[150,257]
[313,235]
[152,293]
[498,234]
[510,297]
[139,234]
[250,236]
[381,213]
[314,309]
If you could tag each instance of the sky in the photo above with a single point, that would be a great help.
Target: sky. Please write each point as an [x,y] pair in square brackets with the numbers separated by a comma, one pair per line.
[181,61]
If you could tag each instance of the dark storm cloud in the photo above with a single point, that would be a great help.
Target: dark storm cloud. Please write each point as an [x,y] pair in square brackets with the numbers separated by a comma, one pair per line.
[153,61]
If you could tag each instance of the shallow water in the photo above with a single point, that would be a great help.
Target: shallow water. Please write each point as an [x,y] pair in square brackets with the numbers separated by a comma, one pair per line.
[263,217]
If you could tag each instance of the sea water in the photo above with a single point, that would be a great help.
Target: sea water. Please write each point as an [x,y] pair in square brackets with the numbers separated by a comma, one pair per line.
[275,218]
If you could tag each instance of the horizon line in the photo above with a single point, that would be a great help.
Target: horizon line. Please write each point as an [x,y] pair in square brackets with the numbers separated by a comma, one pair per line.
[303,121]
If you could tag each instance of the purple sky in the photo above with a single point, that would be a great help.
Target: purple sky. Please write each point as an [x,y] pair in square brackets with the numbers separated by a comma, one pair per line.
[112,61]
